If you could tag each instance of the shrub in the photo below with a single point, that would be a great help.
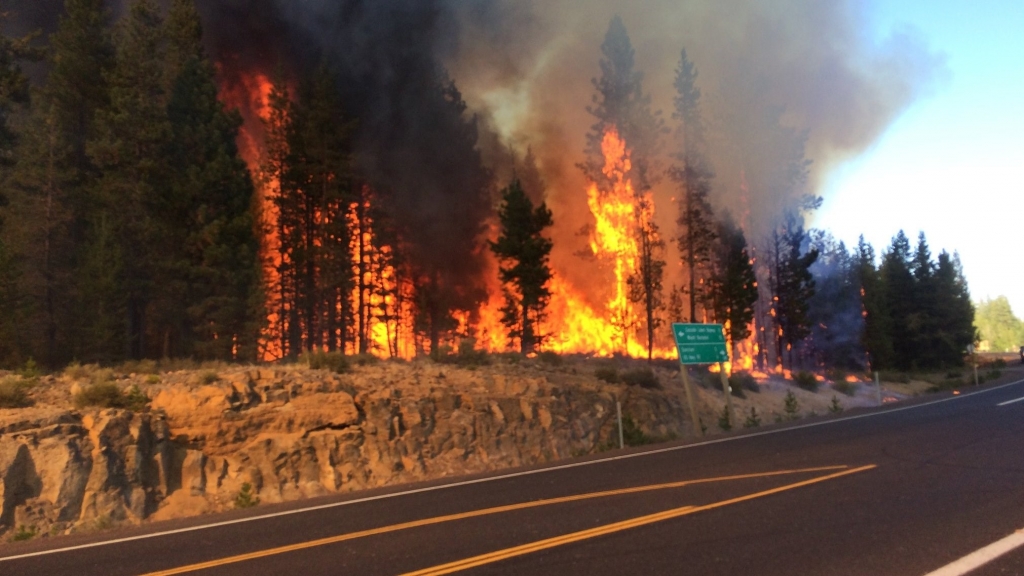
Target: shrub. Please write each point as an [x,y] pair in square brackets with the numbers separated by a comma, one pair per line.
[246,497]
[724,421]
[24,533]
[209,377]
[30,370]
[332,361]
[632,435]
[14,392]
[790,406]
[102,395]
[609,374]
[550,358]
[845,388]
[753,420]
[836,375]
[898,377]
[999,363]
[806,380]
[745,381]
[835,407]
[642,377]
[365,359]
[136,400]
[736,391]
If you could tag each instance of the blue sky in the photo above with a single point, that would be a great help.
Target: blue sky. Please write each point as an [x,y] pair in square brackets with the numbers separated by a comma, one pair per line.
[953,164]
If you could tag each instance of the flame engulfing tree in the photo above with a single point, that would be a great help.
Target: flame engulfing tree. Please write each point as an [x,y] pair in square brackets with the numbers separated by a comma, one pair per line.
[624,119]
[523,252]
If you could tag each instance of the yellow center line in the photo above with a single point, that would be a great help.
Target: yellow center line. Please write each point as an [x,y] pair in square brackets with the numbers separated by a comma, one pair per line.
[499,555]
[474,514]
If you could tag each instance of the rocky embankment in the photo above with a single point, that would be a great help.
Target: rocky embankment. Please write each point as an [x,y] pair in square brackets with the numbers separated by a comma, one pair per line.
[290,432]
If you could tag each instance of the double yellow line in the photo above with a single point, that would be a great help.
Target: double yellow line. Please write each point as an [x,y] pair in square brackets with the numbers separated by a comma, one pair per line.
[525,549]
[610,528]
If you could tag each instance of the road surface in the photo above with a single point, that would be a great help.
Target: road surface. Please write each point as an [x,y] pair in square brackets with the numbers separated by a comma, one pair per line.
[907,490]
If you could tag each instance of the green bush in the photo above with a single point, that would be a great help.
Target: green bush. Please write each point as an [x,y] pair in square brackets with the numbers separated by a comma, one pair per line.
[745,381]
[724,421]
[30,370]
[332,361]
[608,373]
[835,375]
[898,377]
[632,435]
[364,359]
[845,388]
[209,377]
[550,358]
[14,392]
[246,498]
[24,533]
[806,380]
[835,407]
[753,420]
[790,406]
[999,363]
[642,377]
[101,395]
[136,400]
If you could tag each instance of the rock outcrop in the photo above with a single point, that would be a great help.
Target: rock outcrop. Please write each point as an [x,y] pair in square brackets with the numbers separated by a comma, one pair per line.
[292,433]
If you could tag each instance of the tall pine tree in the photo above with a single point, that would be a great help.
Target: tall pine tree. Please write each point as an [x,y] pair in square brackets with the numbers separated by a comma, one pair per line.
[733,283]
[129,148]
[693,175]
[209,278]
[523,252]
[876,334]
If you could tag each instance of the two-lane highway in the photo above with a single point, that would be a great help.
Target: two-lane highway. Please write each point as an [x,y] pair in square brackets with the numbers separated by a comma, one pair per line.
[906,490]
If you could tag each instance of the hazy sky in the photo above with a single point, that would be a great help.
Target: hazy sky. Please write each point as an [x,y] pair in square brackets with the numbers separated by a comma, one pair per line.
[953,164]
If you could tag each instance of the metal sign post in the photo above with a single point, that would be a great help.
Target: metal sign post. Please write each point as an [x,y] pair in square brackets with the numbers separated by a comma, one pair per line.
[702,344]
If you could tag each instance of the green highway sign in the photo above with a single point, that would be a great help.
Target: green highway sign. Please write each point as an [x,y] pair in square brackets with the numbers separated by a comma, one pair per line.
[700,343]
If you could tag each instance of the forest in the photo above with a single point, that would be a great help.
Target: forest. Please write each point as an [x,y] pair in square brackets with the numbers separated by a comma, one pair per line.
[133,226]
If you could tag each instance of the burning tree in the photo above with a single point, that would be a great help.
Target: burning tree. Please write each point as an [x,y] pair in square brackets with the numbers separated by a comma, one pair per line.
[620,152]
[525,273]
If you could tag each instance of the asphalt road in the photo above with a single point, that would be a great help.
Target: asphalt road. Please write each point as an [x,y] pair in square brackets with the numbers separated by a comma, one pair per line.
[903,491]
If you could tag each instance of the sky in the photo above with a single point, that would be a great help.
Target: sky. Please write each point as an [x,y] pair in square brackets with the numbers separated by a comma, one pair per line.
[953,164]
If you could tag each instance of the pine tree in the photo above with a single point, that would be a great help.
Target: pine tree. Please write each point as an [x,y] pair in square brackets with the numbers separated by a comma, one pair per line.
[210,268]
[133,131]
[14,94]
[899,294]
[836,308]
[923,319]
[956,313]
[621,104]
[794,284]
[876,335]
[523,252]
[316,191]
[733,283]
[693,175]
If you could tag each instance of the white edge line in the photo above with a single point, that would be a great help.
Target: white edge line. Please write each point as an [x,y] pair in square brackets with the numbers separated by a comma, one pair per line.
[1011,402]
[494,478]
[980,557]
